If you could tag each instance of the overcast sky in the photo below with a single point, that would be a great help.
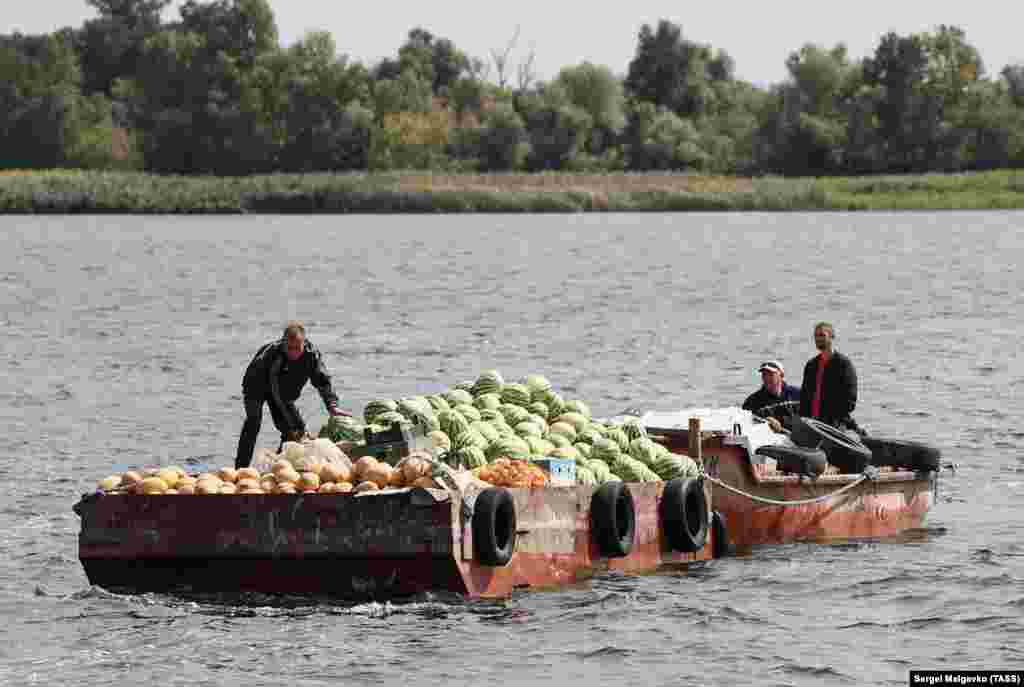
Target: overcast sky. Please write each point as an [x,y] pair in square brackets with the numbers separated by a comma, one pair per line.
[759,36]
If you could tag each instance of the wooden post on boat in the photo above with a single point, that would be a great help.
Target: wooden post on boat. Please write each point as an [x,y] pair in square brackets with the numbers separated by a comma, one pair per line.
[695,440]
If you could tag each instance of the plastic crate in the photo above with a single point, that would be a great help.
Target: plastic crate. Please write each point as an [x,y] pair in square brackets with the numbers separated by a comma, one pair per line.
[560,471]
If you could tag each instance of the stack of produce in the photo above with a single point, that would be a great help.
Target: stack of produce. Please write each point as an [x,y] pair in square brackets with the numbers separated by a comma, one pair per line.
[477,423]
[309,467]
[471,425]
[512,473]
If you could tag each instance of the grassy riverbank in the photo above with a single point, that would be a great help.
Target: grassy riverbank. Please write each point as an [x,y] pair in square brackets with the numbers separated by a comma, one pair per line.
[64,192]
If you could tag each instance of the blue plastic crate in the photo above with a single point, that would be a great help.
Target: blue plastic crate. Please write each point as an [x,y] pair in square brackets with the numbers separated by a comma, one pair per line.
[560,471]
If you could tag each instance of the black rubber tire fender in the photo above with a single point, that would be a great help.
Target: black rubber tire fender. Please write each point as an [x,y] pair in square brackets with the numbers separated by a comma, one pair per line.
[846,451]
[804,461]
[613,519]
[494,526]
[684,514]
[720,536]
[900,453]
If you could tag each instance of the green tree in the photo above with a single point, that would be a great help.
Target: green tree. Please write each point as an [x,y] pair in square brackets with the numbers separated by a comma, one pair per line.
[410,92]
[1013,77]
[556,128]
[433,59]
[503,144]
[466,94]
[187,105]
[909,117]
[807,133]
[39,101]
[241,29]
[675,73]
[659,139]
[953,65]
[308,74]
[39,65]
[599,93]
[110,45]
[738,108]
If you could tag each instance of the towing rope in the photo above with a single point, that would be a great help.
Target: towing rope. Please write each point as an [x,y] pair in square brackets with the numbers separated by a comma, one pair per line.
[869,473]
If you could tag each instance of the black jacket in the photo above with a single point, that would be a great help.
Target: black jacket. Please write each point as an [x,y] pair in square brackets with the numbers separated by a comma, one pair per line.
[271,376]
[838,390]
[764,403]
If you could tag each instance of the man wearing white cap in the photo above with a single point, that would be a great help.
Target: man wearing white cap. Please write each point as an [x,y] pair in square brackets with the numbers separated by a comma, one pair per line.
[775,401]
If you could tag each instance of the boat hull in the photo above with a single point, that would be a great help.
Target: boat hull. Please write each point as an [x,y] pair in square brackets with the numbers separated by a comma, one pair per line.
[894,502]
[382,545]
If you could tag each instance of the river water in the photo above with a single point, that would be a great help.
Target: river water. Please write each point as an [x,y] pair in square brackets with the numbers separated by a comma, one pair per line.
[125,339]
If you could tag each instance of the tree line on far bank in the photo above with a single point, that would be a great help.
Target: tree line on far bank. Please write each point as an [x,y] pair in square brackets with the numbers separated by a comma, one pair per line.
[214,92]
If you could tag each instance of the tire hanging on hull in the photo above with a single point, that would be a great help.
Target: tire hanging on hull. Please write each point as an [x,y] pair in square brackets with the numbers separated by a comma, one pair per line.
[494,527]
[613,519]
[684,514]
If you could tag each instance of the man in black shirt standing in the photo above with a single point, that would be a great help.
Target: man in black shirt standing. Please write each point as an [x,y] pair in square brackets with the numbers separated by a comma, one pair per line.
[830,383]
[775,401]
[276,376]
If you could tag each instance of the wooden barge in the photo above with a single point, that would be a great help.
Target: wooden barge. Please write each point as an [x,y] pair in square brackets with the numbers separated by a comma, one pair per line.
[390,543]
[488,542]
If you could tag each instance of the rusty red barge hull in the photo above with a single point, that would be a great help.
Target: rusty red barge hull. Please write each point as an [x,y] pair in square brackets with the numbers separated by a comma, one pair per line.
[894,502]
[387,544]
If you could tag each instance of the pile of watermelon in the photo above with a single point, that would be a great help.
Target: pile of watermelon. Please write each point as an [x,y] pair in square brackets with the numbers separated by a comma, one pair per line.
[475,423]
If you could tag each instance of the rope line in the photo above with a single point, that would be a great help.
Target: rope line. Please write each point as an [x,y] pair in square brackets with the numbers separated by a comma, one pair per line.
[797,502]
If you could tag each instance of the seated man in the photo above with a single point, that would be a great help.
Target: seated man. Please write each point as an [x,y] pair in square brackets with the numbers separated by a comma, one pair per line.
[775,401]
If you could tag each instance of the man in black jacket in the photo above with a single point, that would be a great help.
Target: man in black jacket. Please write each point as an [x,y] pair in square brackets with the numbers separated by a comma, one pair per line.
[829,389]
[775,401]
[276,376]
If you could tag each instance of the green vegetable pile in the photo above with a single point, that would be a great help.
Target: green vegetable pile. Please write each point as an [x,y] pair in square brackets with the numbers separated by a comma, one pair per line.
[474,423]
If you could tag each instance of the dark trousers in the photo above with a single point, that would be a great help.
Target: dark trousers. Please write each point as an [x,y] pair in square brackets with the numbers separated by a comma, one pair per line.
[251,429]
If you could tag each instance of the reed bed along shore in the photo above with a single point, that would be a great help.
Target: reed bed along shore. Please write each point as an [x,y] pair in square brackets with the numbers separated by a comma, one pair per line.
[92,192]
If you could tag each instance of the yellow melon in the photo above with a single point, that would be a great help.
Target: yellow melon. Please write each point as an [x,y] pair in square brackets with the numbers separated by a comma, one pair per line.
[131,477]
[186,489]
[228,488]
[206,487]
[288,475]
[308,481]
[110,483]
[169,477]
[329,473]
[247,473]
[228,474]
[397,478]
[379,473]
[153,485]
[362,465]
